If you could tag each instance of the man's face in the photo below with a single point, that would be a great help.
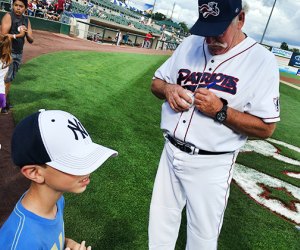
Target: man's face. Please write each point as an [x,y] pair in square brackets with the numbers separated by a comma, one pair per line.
[19,8]
[219,45]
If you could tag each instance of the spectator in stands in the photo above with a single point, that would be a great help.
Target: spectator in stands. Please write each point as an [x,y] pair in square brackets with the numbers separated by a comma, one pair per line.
[17,27]
[68,5]
[142,20]
[6,59]
[148,40]
[30,9]
[40,10]
[118,37]
[51,14]
[33,6]
[162,28]
[60,6]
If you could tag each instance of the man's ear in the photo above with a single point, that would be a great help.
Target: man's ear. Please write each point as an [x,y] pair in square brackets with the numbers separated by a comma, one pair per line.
[241,19]
[33,173]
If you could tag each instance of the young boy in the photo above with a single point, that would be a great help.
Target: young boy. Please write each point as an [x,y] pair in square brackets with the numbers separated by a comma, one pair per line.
[56,153]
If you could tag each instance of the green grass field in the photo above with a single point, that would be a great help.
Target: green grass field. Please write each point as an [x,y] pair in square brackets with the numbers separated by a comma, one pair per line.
[110,94]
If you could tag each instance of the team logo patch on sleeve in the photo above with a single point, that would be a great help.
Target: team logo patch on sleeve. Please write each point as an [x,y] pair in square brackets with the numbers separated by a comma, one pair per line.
[276,103]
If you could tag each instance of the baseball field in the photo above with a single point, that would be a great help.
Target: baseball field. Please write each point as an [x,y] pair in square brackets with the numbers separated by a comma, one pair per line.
[110,94]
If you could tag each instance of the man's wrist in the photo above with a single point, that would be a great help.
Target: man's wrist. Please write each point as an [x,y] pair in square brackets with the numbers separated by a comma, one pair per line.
[221,115]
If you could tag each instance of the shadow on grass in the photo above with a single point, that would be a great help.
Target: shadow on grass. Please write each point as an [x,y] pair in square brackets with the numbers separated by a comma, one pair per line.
[25,78]
[117,234]
[37,97]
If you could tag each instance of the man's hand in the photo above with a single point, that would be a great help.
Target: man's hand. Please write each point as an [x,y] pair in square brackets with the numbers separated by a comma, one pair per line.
[177,97]
[207,102]
[73,245]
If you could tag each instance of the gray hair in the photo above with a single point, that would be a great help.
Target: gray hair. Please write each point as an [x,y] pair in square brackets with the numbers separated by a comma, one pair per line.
[245,8]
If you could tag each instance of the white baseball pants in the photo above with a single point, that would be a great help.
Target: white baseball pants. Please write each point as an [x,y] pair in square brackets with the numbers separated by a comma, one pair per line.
[201,182]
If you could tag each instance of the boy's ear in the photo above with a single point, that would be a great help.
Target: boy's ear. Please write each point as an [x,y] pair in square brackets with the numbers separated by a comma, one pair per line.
[33,173]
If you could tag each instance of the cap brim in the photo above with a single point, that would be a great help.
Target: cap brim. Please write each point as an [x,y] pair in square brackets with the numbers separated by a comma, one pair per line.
[209,29]
[84,162]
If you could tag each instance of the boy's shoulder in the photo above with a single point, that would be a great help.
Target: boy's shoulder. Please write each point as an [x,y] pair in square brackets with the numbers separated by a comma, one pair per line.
[24,229]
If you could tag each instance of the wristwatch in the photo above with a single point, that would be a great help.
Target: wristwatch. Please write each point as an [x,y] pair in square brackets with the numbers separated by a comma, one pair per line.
[222,114]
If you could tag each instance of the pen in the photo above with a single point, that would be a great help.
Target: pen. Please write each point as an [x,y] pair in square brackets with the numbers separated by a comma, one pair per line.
[210,85]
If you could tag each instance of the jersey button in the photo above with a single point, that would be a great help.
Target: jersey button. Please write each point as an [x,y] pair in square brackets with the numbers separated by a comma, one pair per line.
[184,121]
[210,69]
[212,61]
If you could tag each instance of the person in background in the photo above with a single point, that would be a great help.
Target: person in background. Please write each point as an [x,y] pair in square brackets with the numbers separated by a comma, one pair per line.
[6,59]
[18,27]
[60,6]
[125,38]
[148,40]
[118,37]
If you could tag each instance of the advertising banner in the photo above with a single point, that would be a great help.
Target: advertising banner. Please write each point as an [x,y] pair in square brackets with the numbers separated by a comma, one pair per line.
[295,60]
[281,52]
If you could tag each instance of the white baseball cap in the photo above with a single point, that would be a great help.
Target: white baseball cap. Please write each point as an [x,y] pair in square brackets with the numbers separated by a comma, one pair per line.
[58,139]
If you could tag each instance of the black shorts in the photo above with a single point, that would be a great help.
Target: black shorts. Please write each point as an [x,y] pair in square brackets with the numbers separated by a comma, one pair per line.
[13,67]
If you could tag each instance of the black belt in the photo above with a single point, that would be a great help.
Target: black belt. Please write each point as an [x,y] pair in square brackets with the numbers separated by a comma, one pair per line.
[190,149]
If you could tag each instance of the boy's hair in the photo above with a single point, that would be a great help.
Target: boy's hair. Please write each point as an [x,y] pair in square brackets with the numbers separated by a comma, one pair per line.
[25,2]
[5,50]
[58,139]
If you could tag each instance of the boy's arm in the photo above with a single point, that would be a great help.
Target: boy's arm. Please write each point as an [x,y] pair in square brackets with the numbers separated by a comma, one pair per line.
[29,36]
[73,245]
[6,25]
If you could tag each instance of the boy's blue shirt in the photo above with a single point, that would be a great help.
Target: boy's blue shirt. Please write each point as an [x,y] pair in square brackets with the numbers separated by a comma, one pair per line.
[24,230]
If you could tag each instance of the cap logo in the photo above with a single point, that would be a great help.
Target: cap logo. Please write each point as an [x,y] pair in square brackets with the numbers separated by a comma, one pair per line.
[209,9]
[77,127]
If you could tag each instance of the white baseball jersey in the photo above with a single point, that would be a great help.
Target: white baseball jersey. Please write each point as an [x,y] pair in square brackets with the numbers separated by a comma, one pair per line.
[247,76]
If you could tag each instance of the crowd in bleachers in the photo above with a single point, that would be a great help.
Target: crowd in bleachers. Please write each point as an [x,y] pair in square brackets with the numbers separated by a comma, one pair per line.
[64,10]
[110,12]
[49,9]
[102,9]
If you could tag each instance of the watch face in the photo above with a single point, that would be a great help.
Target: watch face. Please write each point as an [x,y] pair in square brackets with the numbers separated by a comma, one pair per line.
[221,116]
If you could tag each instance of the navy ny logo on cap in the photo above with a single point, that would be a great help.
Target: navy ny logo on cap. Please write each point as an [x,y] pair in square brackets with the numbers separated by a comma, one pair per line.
[76,126]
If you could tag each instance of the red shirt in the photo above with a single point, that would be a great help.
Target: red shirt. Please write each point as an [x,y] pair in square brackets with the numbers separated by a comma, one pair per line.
[60,4]
[148,37]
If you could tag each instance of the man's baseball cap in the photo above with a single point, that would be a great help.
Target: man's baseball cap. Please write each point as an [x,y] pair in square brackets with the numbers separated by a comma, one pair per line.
[58,139]
[215,16]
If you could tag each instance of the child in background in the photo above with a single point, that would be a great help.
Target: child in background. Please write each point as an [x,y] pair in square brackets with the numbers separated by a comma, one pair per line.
[56,153]
[18,27]
[6,59]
